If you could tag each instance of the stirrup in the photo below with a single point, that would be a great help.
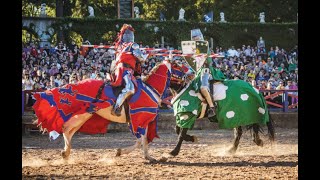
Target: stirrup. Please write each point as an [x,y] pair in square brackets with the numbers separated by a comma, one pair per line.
[116,111]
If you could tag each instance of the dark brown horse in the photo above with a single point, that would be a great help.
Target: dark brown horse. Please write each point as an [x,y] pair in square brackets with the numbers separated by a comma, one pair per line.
[255,128]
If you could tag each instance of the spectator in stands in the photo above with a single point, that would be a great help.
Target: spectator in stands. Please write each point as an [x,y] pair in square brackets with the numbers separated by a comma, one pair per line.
[295,75]
[280,86]
[48,85]
[294,87]
[252,74]
[52,50]
[52,82]
[58,79]
[54,70]
[254,83]
[27,82]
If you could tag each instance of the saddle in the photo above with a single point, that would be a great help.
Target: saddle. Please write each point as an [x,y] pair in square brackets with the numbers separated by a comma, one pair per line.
[116,91]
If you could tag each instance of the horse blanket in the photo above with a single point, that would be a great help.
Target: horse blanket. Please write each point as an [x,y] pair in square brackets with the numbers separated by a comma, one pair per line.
[56,106]
[237,103]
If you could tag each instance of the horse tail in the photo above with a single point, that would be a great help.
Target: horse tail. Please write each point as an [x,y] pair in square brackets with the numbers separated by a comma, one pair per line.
[255,128]
[271,130]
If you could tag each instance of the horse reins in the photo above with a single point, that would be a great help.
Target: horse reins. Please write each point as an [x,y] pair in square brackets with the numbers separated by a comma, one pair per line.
[100,91]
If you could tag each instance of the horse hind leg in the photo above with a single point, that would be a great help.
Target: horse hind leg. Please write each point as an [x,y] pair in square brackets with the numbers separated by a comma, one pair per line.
[256,137]
[237,134]
[182,136]
[67,147]
[177,129]
[69,128]
[145,147]
[129,149]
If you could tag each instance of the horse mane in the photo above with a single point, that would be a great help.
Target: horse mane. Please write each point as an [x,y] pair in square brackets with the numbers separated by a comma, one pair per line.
[153,70]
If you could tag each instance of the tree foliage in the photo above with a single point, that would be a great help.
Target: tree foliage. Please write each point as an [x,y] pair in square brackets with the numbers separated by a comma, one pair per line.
[32,7]
[98,30]
[235,10]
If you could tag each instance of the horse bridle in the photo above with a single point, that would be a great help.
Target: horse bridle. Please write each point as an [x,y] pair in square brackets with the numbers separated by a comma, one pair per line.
[178,81]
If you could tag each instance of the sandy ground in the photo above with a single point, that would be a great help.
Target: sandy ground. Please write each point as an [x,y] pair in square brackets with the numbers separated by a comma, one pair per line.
[93,157]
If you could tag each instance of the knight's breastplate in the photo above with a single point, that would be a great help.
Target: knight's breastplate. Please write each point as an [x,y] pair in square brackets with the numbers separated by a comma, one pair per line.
[127,57]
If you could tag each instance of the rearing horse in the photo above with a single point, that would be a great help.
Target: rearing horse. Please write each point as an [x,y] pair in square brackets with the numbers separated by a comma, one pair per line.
[86,107]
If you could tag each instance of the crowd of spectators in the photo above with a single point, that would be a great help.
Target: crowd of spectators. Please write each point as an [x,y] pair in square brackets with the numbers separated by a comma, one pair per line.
[45,68]
[273,69]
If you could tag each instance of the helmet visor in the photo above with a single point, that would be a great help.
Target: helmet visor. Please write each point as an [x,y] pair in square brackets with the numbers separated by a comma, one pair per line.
[128,36]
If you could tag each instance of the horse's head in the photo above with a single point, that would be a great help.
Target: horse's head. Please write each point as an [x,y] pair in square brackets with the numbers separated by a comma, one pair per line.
[178,76]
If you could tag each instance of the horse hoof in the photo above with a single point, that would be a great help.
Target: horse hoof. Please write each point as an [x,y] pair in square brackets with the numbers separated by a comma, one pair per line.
[152,160]
[259,142]
[195,139]
[118,152]
[232,150]
[163,159]
[173,153]
[64,155]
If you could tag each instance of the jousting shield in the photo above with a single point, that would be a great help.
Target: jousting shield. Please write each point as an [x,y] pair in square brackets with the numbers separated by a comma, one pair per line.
[198,50]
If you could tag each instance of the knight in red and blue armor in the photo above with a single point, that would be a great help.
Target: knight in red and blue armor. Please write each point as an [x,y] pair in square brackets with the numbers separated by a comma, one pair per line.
[127,67]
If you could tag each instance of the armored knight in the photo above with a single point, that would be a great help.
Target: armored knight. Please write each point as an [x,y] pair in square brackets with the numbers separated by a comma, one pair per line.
[127,65]
[204,68]
[205,79]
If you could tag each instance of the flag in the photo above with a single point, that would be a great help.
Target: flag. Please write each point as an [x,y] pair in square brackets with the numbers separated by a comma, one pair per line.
[208,17]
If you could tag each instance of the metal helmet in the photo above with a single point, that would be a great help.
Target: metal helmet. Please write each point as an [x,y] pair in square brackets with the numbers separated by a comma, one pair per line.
[128,36]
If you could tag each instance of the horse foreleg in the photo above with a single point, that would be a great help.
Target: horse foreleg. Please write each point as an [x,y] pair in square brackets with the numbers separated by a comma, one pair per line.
[237,136]
[69,128]
[129,149]
[187,136]
[182,136]
[145,146]
[176,150]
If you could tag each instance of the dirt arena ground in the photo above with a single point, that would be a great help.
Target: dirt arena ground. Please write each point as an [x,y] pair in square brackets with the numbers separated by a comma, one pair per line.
[93,157]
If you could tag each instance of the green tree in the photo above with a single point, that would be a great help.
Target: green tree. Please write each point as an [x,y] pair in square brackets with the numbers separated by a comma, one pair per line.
[248,10]
[32,7]
[235,10]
